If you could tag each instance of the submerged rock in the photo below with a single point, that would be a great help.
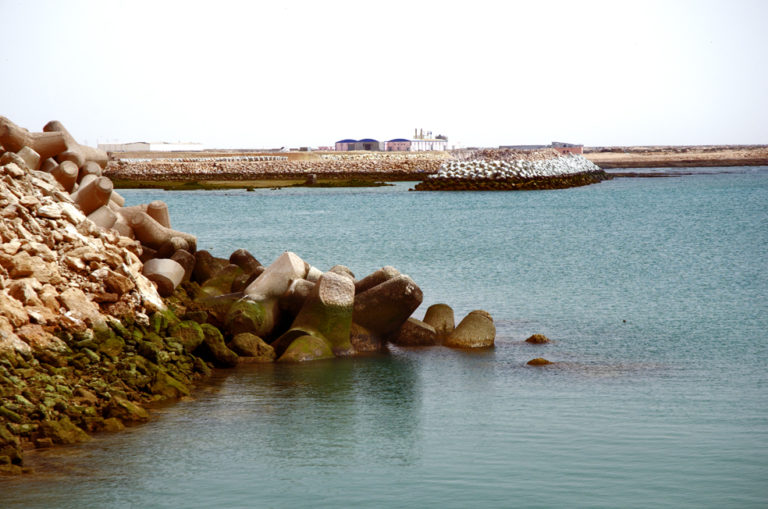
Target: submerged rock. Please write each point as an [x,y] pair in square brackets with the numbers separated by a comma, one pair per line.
[538,339]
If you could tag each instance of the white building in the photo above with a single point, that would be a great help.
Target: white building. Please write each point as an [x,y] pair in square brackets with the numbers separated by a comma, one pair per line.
[143,146]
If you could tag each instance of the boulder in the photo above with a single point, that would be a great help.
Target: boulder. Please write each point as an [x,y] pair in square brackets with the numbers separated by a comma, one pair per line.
[538,361]
[385,307]
[214,349]
[188,333]
[221,282]
[63,431]
[306,348]
[538,339]
[245,315]
[476,330]
[415,333]
[245,260]
[206,265]
[251,346]
[126,411]
[440,316]
[186,260]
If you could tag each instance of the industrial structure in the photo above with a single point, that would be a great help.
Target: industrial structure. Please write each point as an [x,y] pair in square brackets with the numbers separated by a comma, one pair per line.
[421,141]
[143,146]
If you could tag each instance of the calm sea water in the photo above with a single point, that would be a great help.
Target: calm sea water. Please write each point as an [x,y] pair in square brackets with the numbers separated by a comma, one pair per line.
[654,290]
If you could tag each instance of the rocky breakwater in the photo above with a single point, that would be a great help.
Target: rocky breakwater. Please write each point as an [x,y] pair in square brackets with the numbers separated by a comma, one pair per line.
[519,174]
[85,338]
[105,308]
[376,165]
[290,311]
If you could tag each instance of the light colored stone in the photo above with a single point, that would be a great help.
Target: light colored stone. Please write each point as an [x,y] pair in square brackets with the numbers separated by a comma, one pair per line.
[12,309]
[40,339]
[79,306]
[440,316]
[476,330]
[167,274]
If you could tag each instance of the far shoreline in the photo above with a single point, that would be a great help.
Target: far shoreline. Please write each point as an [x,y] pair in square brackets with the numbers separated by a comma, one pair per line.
[189,171]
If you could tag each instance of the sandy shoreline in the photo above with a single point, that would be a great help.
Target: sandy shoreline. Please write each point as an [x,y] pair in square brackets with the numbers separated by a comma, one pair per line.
[678,157]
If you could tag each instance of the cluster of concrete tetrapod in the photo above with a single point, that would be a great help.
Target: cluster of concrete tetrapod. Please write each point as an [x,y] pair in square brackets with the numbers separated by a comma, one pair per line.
[305,313]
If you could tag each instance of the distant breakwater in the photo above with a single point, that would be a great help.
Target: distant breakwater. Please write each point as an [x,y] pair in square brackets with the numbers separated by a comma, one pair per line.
[515,175]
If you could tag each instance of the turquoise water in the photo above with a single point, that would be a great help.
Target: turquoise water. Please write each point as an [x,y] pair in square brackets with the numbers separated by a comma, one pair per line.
[656,294]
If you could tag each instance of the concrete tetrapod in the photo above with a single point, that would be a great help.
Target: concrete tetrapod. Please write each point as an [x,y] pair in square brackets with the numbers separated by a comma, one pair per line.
[376,278]
[75,152]
[158,210]
[30,157]
[476,330]
[151,233]
[267,289]
[440,316]
[167,274]
[66,175]
[93,195]
[385,307]
[13,138]
[415,333]
[326,314]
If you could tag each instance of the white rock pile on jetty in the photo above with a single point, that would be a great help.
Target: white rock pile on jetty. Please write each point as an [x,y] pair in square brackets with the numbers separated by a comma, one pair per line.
[105,308]
[518,174]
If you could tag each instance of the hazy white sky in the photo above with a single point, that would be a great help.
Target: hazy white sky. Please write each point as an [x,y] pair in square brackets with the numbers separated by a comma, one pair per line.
[292,73]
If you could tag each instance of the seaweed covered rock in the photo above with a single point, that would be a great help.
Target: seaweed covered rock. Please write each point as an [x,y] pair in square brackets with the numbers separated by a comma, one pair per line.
[306,348]
[214,348]
[251,348]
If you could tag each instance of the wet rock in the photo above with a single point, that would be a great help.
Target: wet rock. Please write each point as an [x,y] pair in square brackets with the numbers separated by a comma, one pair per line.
[214,349]
[168,387]
[63,431]
[253,347]
[245,315]
[537,339]
[415,333]
[221,282]
[440,316]
[188,333]
[206,265]
[126,411]
[306,348]
[476,330]
[538,361]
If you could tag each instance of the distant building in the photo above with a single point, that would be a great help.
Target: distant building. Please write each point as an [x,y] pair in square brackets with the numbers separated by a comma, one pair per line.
[421,141]
[567,148]
[143,146]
